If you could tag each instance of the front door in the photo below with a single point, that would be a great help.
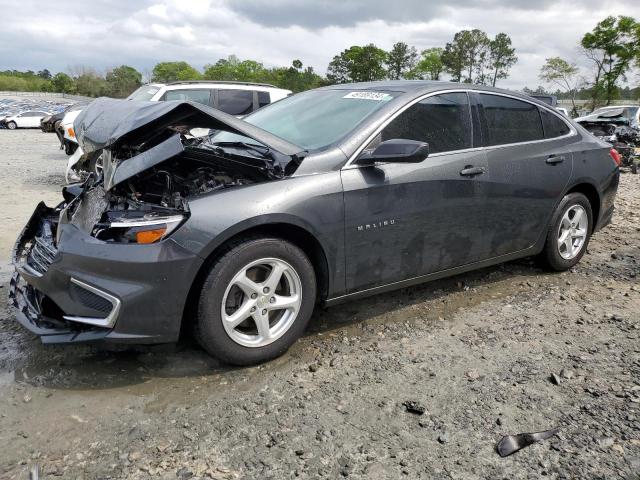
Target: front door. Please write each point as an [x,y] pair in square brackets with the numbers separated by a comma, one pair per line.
[407,220]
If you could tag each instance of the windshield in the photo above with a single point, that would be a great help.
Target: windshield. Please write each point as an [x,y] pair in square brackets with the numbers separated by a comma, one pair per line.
[315,119]
[144,93]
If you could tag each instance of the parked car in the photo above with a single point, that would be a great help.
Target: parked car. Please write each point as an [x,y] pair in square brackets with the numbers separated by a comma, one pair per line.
[28,119]
[627,114]
[326,196]
[235,98]
[620,127]
[51,122]
[65,131]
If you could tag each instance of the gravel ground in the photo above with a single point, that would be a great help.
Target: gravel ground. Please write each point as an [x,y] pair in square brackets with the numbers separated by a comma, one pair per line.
[477,352]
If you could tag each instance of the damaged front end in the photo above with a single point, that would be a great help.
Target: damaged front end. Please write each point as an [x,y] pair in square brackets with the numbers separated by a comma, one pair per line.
[76,273]
[148,165]
[618,131]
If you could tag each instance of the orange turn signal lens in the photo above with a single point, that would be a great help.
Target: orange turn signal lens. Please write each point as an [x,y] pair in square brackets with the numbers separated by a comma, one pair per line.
[150,236]
[71,133]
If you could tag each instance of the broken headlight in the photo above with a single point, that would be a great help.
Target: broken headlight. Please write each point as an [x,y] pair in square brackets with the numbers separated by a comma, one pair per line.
[148,228]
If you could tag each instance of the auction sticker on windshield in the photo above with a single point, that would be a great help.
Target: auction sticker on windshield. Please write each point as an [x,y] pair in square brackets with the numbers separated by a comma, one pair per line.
[375,96]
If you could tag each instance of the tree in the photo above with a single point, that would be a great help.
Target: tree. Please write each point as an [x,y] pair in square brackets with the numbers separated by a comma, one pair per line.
[502,56]
[430,65]
[123,80]
[564,75]
[400,60]
[46,74]
[234,69]
[358,64]
[63,83]
[612,46]
[454,58]
[90,84]
[465,57]
[174,71]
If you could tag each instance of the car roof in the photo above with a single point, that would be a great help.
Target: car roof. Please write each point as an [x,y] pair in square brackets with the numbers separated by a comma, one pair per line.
[416,88]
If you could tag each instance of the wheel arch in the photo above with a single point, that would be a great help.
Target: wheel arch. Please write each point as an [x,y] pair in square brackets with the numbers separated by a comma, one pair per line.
[591,192]
[296,234]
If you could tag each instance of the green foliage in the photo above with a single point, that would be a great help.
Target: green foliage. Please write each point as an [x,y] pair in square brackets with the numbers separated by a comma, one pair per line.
[63,83]
[502,56]
[293,78]
[472,57]
[613,45]
[358,64]
[90,84]
[429,66]
[401,60]
[166,72]
[121,81]
[14,80]
[564,75]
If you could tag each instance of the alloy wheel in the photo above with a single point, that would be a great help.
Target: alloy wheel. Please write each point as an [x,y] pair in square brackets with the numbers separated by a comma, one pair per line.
[261,302]
[572,232]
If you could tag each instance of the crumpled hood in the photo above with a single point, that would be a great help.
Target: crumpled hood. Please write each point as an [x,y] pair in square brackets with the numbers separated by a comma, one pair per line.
[108,122]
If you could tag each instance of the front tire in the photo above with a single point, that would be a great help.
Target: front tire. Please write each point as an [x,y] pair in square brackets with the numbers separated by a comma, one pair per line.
[12,125]
[569,233]
[256,301]
[69,148]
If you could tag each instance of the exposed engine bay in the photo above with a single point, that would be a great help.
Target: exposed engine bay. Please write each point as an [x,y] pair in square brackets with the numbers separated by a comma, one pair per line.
[142,166]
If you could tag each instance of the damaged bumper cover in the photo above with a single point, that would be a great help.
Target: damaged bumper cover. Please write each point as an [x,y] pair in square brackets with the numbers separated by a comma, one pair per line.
[82,289]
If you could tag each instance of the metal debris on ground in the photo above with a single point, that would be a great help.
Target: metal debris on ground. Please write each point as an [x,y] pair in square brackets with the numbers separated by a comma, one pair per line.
[414,407]
[512,443]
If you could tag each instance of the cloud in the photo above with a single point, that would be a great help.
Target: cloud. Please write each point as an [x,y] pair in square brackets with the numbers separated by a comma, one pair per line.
[103,34]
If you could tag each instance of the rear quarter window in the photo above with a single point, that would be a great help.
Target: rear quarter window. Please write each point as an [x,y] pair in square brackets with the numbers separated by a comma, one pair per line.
[552,125]
[264,98]
[196,95]
[510,121]
[235,102]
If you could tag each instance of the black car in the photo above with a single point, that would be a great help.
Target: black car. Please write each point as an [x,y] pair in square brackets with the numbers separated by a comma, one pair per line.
[325,196]
[51,122]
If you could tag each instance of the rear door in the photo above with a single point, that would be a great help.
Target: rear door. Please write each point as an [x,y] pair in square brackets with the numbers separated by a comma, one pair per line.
[408,220]
[530,162]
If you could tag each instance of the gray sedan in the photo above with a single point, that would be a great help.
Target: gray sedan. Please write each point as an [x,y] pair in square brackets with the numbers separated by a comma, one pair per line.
[325,196]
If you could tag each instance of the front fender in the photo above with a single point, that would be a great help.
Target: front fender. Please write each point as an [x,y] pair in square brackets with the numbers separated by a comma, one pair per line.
[313,203]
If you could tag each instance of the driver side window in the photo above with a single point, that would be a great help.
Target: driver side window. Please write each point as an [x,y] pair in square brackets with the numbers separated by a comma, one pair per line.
[443,121]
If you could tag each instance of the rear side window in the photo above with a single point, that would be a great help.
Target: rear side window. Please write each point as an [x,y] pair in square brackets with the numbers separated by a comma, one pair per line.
[235,102]
[443,121]
[552,125]
[510,120]
[263,99]
[198,96]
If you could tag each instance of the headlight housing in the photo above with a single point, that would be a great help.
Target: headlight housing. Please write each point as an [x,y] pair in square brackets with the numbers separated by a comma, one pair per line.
[149,228]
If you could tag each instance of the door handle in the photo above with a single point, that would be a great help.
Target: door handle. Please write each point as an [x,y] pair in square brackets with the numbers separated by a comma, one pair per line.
[553,159]
[470,170]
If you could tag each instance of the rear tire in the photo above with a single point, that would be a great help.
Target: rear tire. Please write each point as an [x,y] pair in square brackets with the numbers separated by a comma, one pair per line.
[248,322]
[569,233]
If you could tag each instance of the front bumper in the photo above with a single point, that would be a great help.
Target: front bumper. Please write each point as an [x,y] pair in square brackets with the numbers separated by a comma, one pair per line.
[83,289]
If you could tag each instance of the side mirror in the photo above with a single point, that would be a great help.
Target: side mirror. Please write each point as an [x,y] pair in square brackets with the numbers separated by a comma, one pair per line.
[397,150]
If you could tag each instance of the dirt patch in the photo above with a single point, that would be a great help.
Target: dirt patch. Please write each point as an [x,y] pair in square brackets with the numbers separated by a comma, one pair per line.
[477,352]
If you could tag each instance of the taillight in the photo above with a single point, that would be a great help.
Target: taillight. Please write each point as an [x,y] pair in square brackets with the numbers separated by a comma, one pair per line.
[616,156]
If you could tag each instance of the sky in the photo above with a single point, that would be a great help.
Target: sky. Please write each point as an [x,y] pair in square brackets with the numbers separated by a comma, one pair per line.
[102,34]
